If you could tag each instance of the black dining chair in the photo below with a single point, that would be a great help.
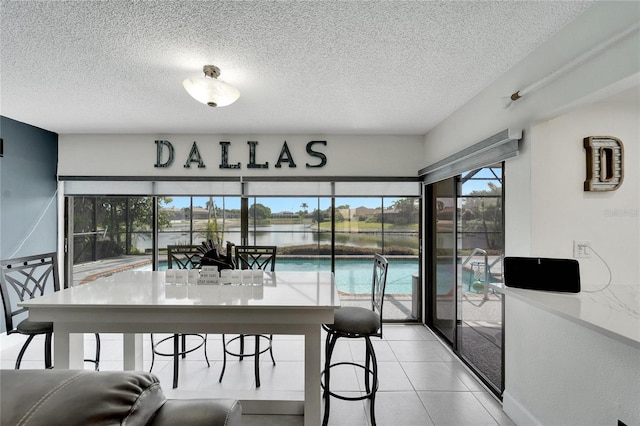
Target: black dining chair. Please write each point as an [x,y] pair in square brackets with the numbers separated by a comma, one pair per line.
[358,323]
[25,278]
[183,256]
[180,257]
[251,257]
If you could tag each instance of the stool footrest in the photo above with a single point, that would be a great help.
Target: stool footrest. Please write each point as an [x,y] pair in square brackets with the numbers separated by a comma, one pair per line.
[367,395]
[242,355]
[181,353]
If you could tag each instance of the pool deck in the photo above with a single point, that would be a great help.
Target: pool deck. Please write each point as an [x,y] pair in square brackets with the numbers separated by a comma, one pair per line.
[90,271]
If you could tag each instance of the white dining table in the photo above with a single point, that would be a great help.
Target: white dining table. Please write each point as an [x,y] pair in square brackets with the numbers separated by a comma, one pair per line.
[135,302]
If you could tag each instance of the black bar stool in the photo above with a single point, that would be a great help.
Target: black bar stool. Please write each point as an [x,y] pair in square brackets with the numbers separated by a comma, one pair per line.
[357,323]
[251,257]
[28,277]
[183,257]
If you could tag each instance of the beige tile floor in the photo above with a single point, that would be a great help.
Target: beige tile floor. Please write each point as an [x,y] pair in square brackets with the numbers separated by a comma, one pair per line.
[421,382]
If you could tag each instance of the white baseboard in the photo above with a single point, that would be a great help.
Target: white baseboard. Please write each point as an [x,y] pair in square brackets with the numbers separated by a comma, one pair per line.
[517,412]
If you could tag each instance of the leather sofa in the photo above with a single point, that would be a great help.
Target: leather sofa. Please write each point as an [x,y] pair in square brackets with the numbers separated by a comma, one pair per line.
[82,397]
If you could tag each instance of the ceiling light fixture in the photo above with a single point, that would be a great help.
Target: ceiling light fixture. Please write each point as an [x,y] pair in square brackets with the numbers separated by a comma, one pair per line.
[209,90]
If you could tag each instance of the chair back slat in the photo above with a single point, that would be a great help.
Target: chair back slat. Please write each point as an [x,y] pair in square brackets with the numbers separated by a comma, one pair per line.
[25,278]
[378,284]
[256,257]
[183,256]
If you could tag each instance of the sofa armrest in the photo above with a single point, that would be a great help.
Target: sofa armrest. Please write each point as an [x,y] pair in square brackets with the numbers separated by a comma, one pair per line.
[78,397]
[195,412]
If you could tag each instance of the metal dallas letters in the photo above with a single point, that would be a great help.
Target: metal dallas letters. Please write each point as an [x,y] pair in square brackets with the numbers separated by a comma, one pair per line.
[165,156]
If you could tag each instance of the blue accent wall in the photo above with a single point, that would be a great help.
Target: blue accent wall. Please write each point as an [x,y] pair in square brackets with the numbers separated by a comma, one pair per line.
[28,184]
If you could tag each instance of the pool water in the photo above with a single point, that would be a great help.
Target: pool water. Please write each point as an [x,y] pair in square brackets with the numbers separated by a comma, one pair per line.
[354,276]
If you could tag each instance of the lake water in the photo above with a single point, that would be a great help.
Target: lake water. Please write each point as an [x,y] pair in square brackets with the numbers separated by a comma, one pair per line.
[282,235]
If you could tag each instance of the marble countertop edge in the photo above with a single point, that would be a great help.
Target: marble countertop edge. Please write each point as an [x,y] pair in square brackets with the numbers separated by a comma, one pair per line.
[614,312]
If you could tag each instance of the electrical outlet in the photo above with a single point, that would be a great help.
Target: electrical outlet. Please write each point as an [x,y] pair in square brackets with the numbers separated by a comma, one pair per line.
[581,249]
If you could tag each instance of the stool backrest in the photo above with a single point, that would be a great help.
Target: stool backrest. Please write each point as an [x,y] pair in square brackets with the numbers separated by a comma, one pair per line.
[183,257]
[378,284]
[24,278]
[256,257]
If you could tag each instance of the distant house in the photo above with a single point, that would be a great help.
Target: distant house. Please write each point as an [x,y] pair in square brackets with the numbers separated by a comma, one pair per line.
[359,212]
[200,213]
[174,213]
[284,215]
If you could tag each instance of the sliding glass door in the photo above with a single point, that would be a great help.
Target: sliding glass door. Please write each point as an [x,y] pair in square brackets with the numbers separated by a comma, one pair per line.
[466,233]
[442,282]
[99,228]
[480,251]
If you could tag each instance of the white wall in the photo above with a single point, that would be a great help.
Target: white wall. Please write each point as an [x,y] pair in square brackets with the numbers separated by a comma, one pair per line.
[135,155]
[517,201]
[561,373]
[561,211]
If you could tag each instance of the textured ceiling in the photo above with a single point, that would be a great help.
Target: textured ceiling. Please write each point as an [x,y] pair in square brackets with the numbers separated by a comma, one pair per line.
[374,67]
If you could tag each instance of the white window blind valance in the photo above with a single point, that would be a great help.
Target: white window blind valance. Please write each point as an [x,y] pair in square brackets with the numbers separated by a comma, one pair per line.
[149,188]
[99,187]
[287,189]
[495,149]
[356,188]
[252,188]
[377,189]
[218,188]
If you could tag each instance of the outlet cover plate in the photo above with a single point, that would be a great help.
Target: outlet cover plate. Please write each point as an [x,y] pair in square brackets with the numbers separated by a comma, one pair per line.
[581,249]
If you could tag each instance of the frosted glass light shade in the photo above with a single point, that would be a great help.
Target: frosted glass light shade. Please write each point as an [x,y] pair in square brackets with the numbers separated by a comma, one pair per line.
[211,91]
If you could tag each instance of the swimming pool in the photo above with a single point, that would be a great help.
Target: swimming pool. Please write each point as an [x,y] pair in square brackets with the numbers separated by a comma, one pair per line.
[353,275]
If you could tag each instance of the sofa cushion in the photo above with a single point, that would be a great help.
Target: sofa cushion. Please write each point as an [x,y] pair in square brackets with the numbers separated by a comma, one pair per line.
[70,397]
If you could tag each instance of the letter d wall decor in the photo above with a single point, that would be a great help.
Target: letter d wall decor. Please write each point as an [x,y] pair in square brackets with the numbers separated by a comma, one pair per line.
[605,163]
